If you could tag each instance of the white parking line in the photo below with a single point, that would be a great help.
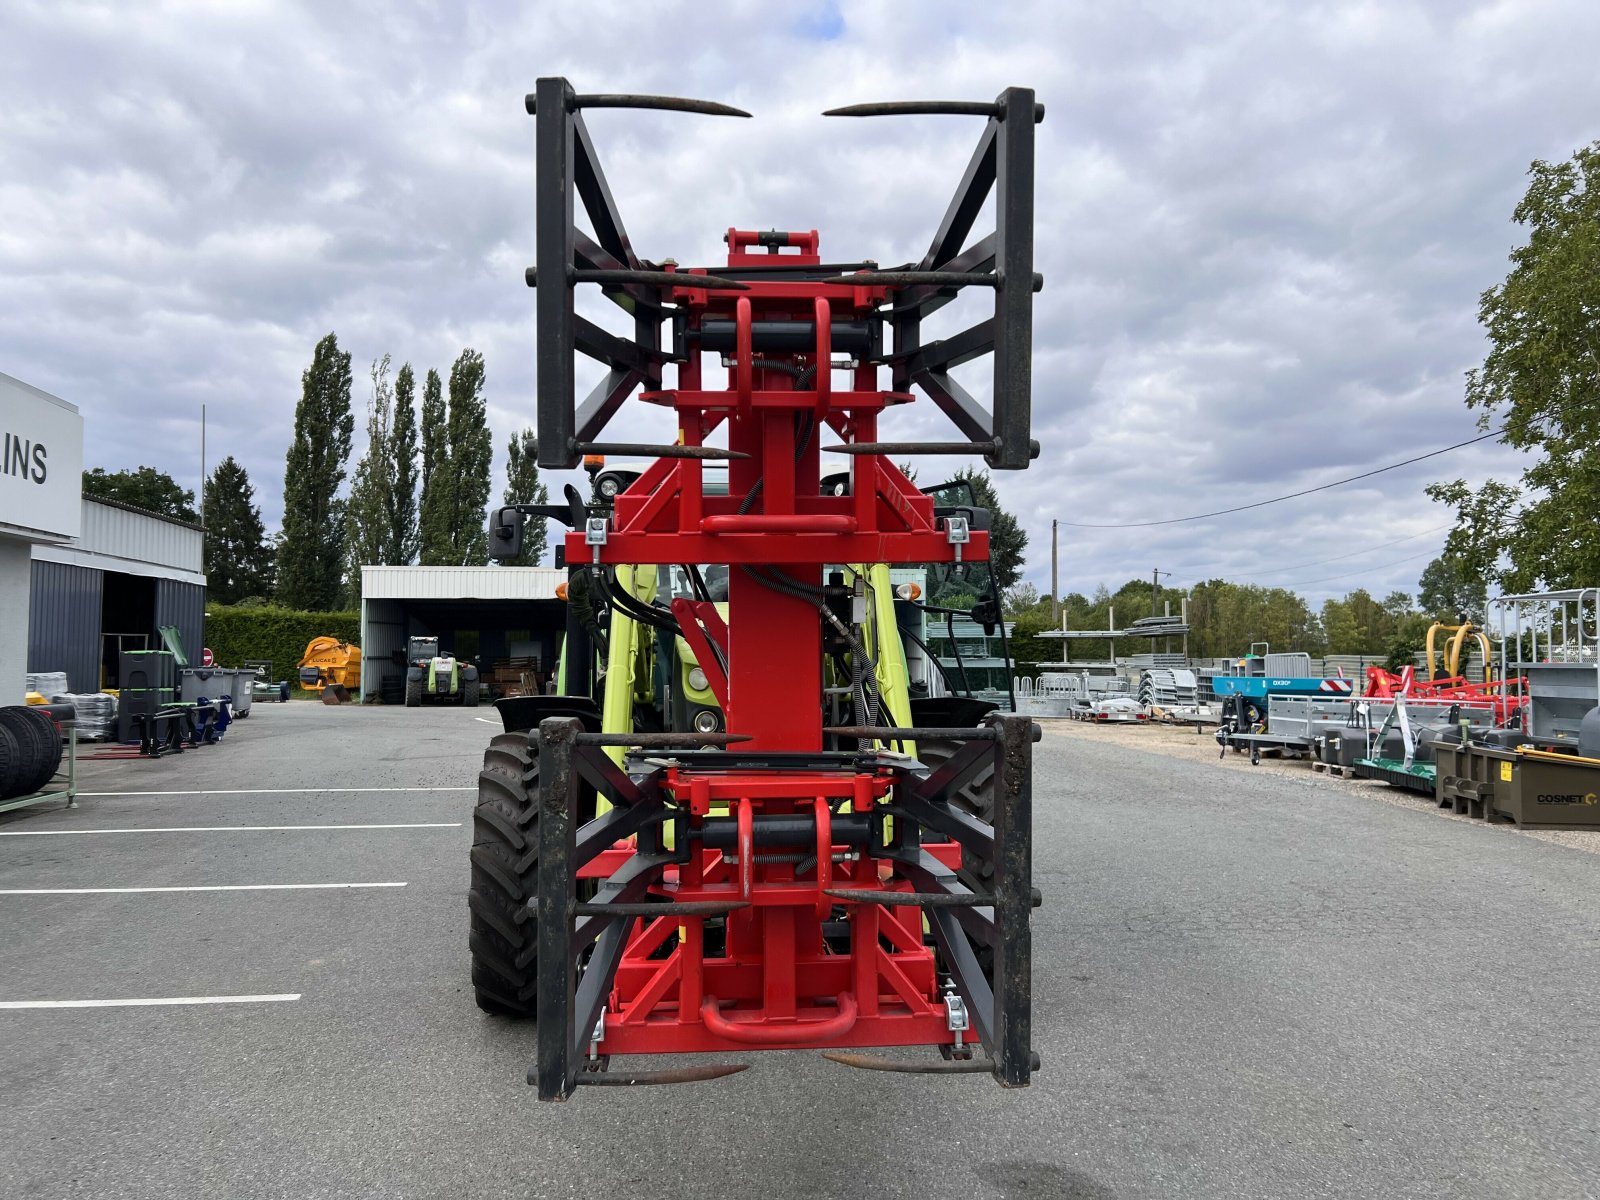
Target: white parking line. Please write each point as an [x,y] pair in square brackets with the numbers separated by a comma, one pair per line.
[325,791]
[215,887]
[486,720]
[153,1000]
[222,829]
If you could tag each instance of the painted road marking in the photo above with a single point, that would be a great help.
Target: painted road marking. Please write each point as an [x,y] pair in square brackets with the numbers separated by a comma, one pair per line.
[486,721]
[152,1000]
[215,887]
[282,791]
[223,829]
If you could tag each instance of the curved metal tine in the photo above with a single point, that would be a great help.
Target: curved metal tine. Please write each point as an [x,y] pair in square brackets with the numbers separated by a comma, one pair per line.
[937,108]
[869,1062]
[707,108]
[651,1078]
[913,108]
[912,448]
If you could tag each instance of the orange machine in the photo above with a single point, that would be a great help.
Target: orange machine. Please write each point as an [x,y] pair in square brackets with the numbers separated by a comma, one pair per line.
[331,668]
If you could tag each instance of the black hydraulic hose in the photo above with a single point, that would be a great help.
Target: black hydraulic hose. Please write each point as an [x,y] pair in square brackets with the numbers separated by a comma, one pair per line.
[950,628]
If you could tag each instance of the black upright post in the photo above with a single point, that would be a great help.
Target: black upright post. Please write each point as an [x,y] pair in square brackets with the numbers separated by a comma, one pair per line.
[1013,900]
[554,1070]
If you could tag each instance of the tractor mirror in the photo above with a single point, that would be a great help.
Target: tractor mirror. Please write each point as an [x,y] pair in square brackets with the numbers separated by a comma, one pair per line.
[505,534]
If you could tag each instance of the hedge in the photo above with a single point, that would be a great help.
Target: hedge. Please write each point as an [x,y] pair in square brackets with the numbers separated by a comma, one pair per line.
[237,635]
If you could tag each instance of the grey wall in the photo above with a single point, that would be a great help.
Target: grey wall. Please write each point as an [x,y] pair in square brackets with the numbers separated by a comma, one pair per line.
[183,605]
[64,622]
[13,632]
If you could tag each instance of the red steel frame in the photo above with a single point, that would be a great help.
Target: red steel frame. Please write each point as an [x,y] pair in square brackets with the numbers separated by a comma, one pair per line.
[777,983]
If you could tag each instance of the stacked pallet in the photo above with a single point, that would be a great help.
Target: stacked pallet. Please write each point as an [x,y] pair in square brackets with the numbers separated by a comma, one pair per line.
[516,677]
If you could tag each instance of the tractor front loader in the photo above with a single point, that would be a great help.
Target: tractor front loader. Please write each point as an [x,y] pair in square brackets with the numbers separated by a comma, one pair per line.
[719,838]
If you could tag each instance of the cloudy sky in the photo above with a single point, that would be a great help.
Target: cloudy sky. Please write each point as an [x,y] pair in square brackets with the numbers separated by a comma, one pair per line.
[1264,227]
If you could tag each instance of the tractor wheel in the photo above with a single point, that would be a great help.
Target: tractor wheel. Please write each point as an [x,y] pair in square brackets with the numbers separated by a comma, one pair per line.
[413,693]
[469,694]
[37,739]
[976,798]
[505,876]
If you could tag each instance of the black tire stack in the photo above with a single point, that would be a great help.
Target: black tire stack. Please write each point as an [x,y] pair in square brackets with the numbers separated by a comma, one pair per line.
[30,750]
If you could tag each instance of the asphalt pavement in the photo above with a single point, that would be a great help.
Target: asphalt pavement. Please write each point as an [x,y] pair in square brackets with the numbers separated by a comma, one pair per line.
[1245,986]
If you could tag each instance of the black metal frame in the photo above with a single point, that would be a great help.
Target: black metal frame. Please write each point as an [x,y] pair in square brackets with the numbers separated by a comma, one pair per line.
[571,995]
[569,172]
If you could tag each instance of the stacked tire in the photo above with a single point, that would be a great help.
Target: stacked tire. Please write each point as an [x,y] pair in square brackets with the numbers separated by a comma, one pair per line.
[30,750]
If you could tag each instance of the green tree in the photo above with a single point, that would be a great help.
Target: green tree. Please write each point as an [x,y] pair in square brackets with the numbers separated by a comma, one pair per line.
[238,557]
[1226,618]
[435,540]
[471,457]
[1007,539]
[401,542]
[523,487]
[311,546]
[147,488]
[367,512]
[1358,624]
[1452,591]
[1019,598]
[1540,381]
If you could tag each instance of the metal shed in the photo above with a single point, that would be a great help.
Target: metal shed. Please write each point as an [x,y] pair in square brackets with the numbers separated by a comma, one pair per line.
[482,614]
[126,574]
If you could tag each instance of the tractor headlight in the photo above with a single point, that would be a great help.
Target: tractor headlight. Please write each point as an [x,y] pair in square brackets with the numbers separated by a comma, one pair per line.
[706,721]
[608,486]
[908,591]
[698,681]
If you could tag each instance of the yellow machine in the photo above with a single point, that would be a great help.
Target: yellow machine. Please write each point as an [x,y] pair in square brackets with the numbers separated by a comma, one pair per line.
[331,668]
[1454,652]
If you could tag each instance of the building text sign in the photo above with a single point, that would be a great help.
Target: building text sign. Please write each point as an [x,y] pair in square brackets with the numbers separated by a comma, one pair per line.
[41,463]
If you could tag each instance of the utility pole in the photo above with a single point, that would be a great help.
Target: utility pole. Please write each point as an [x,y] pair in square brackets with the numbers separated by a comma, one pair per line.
[1155,590]
[202,464]
[1055,582]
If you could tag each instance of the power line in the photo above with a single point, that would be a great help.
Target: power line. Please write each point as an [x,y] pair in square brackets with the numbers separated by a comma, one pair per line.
[1380,567]
[1222,512]
[1324,561]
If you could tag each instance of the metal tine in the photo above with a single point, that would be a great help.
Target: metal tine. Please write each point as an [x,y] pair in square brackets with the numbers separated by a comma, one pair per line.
[910,899]
[926,448]
[651,1078]
[671,908]
[658,740]
[937,279]
[682,279]
[643,450]
[957,1066]
[707,108]
[937,108]
[972,733]
[902,279]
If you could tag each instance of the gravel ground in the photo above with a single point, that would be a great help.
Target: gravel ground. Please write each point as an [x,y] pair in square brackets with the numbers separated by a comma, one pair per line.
[1246,985]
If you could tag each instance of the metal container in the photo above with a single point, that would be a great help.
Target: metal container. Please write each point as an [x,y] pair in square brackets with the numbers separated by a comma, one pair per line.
[1536,789]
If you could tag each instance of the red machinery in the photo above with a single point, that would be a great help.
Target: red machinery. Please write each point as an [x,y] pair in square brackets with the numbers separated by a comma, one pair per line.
[793,885]
[1506,697]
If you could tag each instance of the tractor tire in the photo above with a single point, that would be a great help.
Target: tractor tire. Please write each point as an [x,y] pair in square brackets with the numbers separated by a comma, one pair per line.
[39,745]
[10,765]
[505,876]
[976,798]
[413,693]
[469,694]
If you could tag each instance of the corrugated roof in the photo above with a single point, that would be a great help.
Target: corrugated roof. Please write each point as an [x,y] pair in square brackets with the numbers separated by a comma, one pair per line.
[460,583]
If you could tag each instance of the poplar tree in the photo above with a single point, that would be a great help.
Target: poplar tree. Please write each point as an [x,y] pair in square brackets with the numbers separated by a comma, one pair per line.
[238,558]
[438,493]
[401,544]
[523,487]
[367,535]
[311,546]
[471,455]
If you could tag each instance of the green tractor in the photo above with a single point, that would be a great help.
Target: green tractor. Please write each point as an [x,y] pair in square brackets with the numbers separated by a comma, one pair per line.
[440,678]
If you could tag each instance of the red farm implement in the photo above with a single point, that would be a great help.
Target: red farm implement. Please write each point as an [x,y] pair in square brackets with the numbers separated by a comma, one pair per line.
[720,837]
